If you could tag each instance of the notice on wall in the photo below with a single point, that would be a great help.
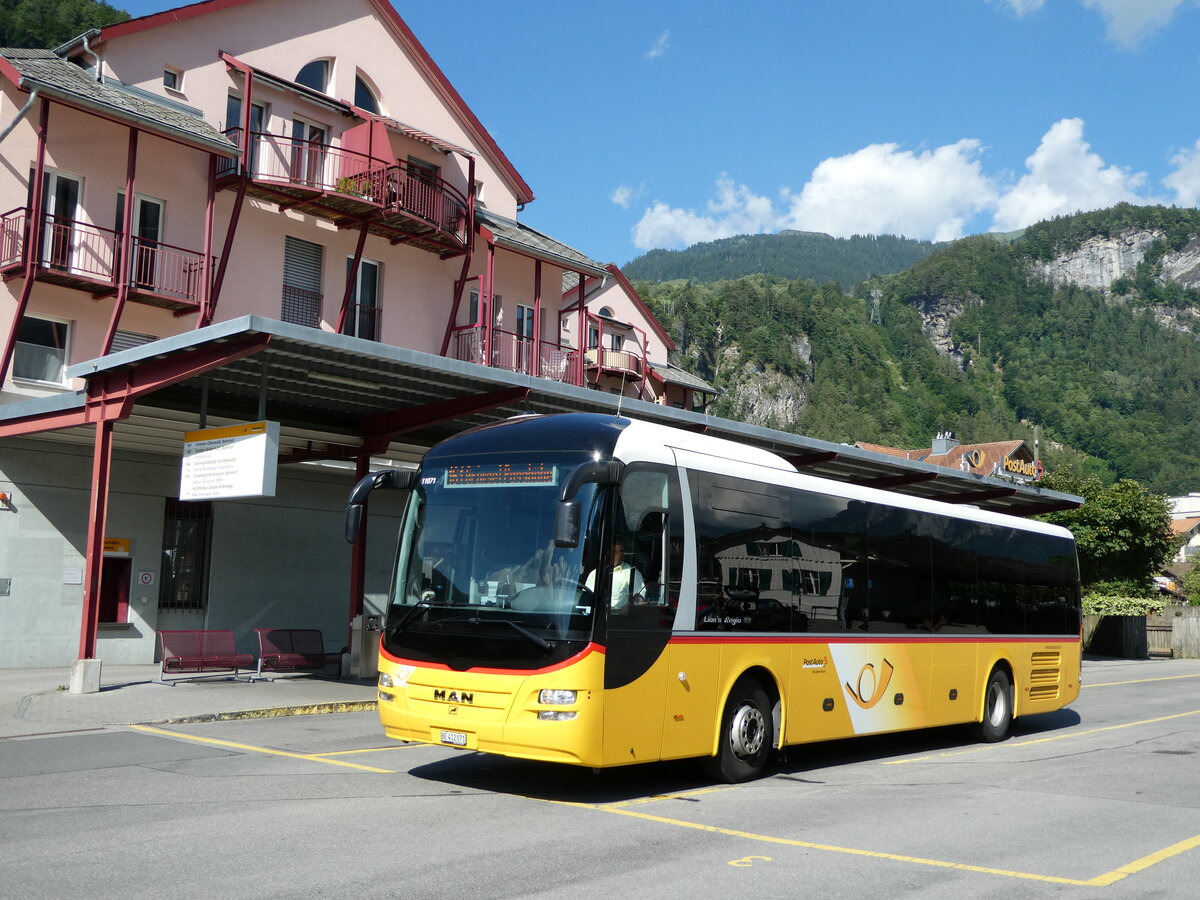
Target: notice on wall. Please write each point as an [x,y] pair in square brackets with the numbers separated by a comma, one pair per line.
[235,461]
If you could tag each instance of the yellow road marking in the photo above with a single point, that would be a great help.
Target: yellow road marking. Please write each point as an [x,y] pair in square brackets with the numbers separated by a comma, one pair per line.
[373,750]
[310,757]
[1140,681]
[1042,740]
[1108,878]
[655,798]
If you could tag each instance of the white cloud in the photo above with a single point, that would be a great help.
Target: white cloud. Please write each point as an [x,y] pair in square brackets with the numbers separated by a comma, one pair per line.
[1064,177]
[1021,7]
[622,196]
[735,209]
[1185,180]
[1129,21]
[882,189]
[660,46]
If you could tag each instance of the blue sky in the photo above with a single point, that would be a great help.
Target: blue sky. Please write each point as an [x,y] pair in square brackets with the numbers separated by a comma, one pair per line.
[660,124]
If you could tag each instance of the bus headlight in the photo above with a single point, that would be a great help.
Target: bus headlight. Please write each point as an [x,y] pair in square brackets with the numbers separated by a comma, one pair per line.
[555,715]
[557,698]
[385,680]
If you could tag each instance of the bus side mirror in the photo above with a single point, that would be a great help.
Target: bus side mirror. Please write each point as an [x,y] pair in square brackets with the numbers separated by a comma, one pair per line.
[354,517]
[566,524]
[399,479]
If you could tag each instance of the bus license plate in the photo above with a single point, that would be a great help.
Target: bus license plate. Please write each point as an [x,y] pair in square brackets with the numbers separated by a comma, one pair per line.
[456,738]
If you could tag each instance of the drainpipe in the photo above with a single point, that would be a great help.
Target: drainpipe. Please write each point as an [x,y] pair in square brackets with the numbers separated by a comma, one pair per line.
[21,113]
[96,56]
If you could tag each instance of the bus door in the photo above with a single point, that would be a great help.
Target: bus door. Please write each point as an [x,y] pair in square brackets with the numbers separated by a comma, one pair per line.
[639,589]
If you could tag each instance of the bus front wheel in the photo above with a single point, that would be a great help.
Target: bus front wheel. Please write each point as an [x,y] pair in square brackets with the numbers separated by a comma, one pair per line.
[997,707]
[747,734]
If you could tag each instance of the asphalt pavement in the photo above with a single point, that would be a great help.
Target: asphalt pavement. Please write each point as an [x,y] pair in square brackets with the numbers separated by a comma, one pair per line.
[37,702]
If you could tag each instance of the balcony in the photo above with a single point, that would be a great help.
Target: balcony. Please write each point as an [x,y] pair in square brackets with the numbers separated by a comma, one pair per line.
[515,353]
[84,256]
[618,362]
[398,201]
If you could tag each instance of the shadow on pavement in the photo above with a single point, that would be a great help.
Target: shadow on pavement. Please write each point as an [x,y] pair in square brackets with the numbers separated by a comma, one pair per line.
[575,784]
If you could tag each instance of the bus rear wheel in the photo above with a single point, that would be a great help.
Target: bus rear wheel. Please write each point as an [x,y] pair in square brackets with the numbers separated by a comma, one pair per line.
[997,708]
[747,734]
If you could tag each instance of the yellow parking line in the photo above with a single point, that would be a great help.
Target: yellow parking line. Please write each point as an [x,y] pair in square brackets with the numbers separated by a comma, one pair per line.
[1108,878]
[265,750]
[1042,740]
[371,750]
[655,798]
[1141,681]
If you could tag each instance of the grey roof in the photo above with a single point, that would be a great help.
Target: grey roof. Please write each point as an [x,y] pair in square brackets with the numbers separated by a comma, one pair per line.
[325,387]
[672,374]
[55,77]
[519,236]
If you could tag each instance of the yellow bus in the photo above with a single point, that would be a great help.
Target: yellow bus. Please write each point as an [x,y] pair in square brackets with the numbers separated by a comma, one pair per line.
[601,591]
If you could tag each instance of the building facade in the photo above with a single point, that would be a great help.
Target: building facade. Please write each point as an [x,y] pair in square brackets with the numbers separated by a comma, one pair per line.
[295,160]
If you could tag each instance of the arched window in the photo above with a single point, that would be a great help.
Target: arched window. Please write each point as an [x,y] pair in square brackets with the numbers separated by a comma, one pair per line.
[364,97]
[606,312]
[315,75]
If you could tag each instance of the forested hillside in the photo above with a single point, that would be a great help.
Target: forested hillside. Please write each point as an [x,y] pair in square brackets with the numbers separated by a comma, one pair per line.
[977,339]
[789,254]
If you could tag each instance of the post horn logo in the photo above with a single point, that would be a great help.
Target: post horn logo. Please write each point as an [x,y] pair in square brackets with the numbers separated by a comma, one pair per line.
[872,683]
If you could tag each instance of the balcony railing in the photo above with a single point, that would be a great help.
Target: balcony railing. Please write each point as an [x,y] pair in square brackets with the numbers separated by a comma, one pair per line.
[301,306]
[515,353]
[363,321]
[84,255]
[615,360]
[343,177]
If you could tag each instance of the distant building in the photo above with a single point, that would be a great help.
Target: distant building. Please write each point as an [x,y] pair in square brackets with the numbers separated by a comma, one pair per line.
[1185,524]
[1000,459]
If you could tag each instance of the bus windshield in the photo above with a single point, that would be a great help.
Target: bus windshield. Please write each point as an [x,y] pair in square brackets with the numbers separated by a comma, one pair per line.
[479,580]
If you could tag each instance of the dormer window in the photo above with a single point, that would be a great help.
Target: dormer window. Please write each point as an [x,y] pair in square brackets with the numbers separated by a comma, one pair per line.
[315,75]
[364,97]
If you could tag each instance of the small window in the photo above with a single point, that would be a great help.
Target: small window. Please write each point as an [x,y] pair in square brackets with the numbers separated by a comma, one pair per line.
[314,75]
[606,312]
[41,351]
[172,79]
[364,97]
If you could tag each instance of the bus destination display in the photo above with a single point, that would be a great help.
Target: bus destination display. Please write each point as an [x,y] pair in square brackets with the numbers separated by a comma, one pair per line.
[501,475]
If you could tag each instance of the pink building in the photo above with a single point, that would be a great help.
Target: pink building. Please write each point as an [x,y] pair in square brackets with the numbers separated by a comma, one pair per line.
[292,159]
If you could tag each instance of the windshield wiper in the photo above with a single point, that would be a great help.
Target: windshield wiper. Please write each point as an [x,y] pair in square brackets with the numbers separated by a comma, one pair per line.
[407,616]
[520,629]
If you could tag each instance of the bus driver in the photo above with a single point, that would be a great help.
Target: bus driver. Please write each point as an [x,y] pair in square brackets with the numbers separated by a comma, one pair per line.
[627,586]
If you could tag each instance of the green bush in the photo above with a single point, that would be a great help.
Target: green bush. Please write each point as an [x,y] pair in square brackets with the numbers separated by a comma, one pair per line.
[1097,604]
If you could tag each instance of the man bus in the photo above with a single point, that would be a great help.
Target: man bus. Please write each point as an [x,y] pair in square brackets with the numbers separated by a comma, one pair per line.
[775,608]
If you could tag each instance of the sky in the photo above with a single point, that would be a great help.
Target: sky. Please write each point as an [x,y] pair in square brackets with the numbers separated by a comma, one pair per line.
[643,125]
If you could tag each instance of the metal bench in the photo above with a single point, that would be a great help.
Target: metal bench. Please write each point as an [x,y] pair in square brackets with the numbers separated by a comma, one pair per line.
[200,654]
[293,649]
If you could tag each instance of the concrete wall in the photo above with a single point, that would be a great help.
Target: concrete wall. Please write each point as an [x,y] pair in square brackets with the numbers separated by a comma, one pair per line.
[277,561]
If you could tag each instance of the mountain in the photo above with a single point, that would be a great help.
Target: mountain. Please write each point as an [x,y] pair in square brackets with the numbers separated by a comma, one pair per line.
[1081,332]
[788,254]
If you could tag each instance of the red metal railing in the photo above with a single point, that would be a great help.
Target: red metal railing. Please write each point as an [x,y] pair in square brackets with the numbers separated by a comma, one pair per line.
[514,352]
[79,248]
[401,187]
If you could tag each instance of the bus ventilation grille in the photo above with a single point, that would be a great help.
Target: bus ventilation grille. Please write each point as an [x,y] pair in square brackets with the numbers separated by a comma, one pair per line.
[1046,658]
[1043,692]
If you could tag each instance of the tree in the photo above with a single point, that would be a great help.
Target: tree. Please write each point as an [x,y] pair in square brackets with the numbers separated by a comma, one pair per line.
[49,23]
[1122,531]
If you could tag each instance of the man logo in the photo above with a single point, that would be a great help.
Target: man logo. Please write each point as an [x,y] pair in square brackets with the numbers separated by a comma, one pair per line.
[454,696]
[871,683]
